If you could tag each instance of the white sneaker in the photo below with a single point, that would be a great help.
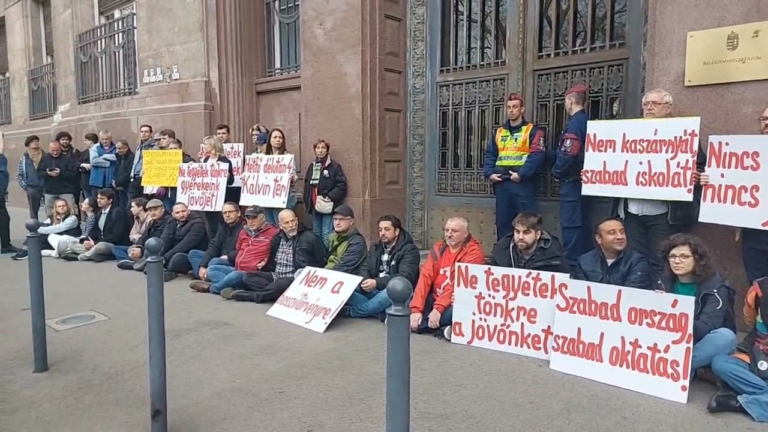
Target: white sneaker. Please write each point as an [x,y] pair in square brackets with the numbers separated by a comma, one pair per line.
[48,253]
[447,333]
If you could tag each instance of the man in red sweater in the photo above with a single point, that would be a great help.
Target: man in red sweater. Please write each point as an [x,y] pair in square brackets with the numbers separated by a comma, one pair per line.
[432,303]
[253,244]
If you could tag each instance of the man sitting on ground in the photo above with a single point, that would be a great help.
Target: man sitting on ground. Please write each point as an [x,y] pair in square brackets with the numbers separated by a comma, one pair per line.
[132,257]
[294,248]
[612,262]
[253,244]
[184,233]
[111,229]
[530,247]
[222,250]
[394,255]
[346,246]
[432,302]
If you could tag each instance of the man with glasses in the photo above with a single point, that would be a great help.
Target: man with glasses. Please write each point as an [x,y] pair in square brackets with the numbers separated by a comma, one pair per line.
[222,249]
[346,246]
[650,223]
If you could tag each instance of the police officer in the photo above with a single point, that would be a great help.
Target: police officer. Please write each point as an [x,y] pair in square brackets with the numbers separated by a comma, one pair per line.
[574,217]
[513,155]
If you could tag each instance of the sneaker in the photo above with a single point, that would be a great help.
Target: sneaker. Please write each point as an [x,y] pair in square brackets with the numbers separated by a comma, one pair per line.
[201,287]
[447,333]
[345,312]
[227,293]
[69,256]
[21,254]
[382,316]
[125,265]
[82,257]
[169,276]
[48,253]
[9,249]
[140,265]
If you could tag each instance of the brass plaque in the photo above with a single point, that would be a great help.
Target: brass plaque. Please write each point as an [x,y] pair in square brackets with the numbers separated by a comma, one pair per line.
[727,54]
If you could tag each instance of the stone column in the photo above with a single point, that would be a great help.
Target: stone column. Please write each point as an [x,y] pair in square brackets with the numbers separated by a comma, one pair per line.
[353,95]
[18,34]
[237,63]
[70,18]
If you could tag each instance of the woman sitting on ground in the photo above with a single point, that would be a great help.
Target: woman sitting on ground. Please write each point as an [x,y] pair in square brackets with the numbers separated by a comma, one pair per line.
[69,245]
[63,223]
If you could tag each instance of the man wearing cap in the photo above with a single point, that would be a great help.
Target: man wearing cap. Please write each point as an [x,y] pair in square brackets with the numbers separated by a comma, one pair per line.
[132,257]
[346,246]
[513,156]
[223,247]
[253,245]
[569,162]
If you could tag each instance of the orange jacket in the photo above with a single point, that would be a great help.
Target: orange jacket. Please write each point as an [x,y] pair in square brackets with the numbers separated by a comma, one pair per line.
[755,305]
[470,253]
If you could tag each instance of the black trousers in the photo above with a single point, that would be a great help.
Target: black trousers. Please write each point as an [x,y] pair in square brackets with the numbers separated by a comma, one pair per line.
[265,287]
[5,223]
[34,199]
[647,234]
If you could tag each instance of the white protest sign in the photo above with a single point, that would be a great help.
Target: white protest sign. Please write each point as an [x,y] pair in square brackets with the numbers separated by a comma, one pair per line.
[234,152]
[202,186]
[642,158]
[315,298]
[505,309]
[267,180]
[737,193]
[635,339]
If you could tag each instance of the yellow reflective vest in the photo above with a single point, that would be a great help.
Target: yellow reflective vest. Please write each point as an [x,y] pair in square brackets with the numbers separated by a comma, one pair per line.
[513,148]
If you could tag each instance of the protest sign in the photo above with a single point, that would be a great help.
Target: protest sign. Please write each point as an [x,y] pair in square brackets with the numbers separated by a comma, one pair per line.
[314,298]
[202,185]
[267,180]
[642,158]
[161,168]
[630,338]
[505,309]
[738,184]
[235,153]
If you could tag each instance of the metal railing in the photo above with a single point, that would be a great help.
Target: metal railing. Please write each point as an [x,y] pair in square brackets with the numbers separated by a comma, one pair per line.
[5,100]
[105,60]
[43,101]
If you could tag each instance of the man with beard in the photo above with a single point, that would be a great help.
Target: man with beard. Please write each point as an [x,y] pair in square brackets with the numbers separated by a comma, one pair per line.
[146,142]
[612,262]
[530,247]
[65,140]
[513,156]
[394,255]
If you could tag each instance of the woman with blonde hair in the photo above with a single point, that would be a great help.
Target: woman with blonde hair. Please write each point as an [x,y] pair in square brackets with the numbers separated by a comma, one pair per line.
[213,152]
[63,222]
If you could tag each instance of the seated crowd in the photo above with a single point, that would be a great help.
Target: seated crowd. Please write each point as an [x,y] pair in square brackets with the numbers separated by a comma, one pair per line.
[254,254]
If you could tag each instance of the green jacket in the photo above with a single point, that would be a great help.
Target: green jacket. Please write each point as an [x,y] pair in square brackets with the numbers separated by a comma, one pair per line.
[347,252]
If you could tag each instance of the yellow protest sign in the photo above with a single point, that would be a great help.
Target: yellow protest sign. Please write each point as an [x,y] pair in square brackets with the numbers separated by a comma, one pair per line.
[161,168]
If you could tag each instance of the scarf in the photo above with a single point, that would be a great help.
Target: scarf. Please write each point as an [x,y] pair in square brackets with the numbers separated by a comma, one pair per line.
[36,156]
[317,169]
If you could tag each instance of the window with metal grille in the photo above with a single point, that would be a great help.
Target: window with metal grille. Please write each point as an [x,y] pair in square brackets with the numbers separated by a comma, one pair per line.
[107,7]
[473,34]
[568,27]
[283,38]
[47,31]
[3,48]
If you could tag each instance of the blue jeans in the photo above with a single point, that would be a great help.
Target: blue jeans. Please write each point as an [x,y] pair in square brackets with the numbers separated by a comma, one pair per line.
[368,304]
[446,318]
[196,256]
[718,342]
[272,213]
[120,253]
[322,225]
[752,391]
[224,276]
[168,202]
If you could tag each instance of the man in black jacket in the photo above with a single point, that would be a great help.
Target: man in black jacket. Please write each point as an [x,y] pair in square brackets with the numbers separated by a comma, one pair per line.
[132,258]
[59,173]
[111,229]
[294,248]
[394,255]
[122,181]
[184,233]
[222,249]
[612,262]
[533,248]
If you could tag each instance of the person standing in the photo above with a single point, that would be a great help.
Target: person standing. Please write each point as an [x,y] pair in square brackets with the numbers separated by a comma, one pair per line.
[58,172]
[5,219]
[276,146]
[103,162]
[513,156]
[27,176]
[214,153]
[325,187]
[754,242]
[122,181]
[569,162]
[146,142]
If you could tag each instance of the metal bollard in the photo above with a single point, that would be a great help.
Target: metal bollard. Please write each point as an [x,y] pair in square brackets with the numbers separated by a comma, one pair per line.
[37,296]
[156,317]
[399,356]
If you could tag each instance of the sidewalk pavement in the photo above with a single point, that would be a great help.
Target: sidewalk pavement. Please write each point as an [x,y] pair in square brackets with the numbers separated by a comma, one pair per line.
[232,368]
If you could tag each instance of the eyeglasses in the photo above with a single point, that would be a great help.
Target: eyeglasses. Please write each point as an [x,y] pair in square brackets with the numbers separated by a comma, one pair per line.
[681,258]
[653,104]
[762,119]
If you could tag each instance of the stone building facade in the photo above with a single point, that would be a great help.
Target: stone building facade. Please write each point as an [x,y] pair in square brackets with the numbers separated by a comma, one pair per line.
[406,91]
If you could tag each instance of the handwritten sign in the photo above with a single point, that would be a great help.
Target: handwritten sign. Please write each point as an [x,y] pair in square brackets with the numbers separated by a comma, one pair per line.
[505,309]
[314,299]
[161,168]
[737,192]
[202,185]
[634,339]
[267,180]
[643,158]
[234,152]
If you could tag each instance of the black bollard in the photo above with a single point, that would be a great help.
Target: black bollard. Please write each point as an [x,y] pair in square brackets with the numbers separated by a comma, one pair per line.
[37,296]
[156,317]
[399,290]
